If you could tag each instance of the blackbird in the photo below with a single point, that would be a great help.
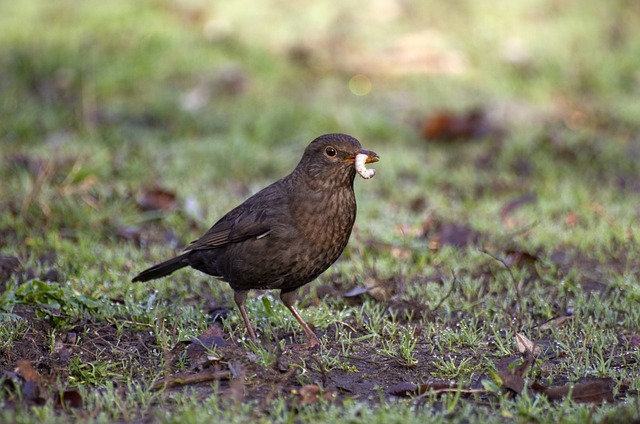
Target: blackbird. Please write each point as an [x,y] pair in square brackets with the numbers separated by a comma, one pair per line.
[287,234]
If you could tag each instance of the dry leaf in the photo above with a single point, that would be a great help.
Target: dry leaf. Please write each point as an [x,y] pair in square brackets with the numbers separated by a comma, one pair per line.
[70,399]
[157,198]
[356,291]
[198,346]
[558,322]
[186,378]
[527,346]
[311,393]
[446,125]
[520,258]
[31,388]
[512,371]
[378,290]
[591,391]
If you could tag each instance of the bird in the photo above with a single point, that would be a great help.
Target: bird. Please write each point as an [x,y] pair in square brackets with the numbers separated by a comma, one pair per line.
[284,236]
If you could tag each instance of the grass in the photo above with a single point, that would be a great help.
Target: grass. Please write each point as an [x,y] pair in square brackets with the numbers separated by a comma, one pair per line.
[458,246]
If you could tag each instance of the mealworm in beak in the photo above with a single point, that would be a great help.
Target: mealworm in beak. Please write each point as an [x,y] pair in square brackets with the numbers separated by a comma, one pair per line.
[361,167]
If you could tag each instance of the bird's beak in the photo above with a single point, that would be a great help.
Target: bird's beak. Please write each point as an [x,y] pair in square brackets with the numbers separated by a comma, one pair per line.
[371,156]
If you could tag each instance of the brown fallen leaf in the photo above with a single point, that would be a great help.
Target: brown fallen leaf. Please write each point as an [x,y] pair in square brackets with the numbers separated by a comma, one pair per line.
[520,258]
[379,290]
[309,394]
[447,125]
[213,336]
[557,322]
[185,378]
[527,346]
[512,373]
[403,389]
[198,346]
[312,393]
[356,291]
[590,391]
[31,388]
[157,198]
[69,399]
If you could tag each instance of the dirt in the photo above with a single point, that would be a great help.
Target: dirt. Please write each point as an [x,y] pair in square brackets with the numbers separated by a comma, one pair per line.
[301,376]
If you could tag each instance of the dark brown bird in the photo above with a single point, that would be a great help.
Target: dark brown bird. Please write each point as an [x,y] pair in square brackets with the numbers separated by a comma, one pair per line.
[287,234]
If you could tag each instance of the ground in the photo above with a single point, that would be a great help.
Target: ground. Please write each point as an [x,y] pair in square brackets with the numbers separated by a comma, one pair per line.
[492,274]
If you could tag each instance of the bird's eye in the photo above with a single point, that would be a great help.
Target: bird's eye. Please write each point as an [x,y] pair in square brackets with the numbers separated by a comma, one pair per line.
[331,152]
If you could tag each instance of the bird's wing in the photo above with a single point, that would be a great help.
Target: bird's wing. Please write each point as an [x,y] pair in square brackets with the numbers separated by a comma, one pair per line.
[252,219]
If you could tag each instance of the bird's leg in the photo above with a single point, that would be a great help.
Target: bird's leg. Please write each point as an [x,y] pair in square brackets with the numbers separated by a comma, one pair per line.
[240,296]
[289,298]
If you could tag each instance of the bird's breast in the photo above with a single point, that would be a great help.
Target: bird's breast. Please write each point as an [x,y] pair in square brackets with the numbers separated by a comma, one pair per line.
[311,235]
[325,220]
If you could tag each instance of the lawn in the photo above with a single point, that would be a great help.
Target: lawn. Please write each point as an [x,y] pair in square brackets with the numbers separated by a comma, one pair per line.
[493,271]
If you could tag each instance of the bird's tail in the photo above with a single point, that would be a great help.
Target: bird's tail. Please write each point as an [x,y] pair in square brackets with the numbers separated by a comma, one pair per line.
[160,270]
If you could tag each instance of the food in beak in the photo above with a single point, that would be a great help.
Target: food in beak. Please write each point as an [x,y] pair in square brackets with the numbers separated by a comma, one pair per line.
[360,161]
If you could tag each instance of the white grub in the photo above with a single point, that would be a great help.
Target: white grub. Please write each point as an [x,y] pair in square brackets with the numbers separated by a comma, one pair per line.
[361,167]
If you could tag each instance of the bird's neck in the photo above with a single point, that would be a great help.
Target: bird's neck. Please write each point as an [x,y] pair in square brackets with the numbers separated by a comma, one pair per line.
[317,181]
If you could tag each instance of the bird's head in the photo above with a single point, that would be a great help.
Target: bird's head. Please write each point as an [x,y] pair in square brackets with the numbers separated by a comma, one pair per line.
[331,158]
